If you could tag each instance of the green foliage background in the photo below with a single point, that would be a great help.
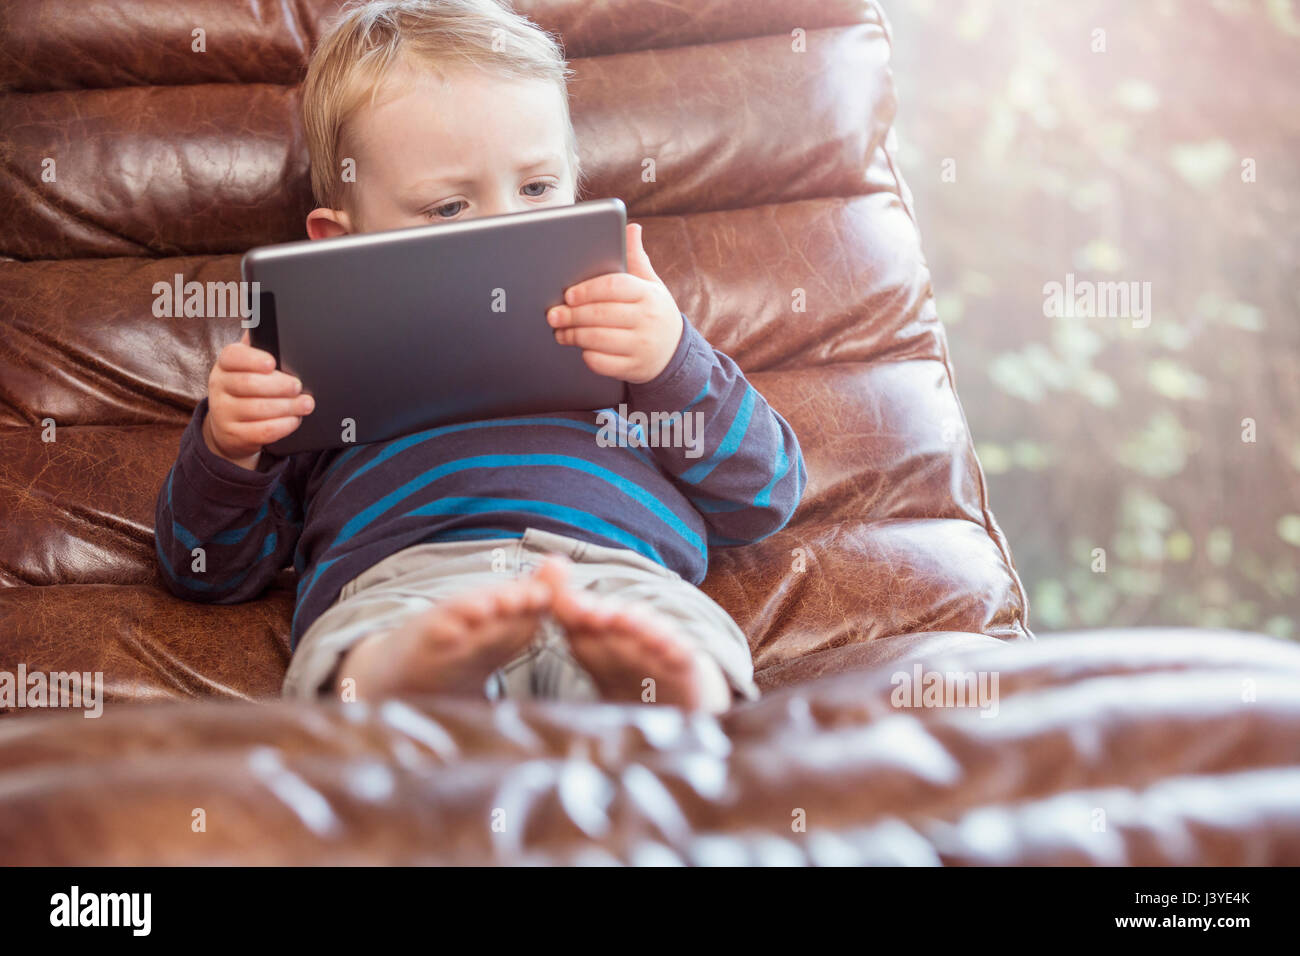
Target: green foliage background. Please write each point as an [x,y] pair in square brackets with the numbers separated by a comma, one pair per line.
[1129,164]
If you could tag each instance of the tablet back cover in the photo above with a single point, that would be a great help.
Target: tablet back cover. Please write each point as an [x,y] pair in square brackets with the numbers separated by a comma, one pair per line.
[409,329]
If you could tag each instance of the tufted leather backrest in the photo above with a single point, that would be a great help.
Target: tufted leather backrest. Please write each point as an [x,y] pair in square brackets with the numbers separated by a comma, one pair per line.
[777,216]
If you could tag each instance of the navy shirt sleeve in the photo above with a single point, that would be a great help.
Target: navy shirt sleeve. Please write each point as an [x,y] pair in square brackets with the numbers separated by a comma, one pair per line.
[223,532]
[737,461]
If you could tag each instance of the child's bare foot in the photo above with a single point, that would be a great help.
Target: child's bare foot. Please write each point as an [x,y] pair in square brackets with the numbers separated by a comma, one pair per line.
[620,647]
[454,646]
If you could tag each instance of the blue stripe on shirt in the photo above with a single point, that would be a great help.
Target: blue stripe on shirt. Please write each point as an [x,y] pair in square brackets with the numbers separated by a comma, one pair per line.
[400,445]
[730,442]
[626,487]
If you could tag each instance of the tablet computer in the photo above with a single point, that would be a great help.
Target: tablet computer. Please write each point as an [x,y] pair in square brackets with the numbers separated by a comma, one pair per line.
[395,332]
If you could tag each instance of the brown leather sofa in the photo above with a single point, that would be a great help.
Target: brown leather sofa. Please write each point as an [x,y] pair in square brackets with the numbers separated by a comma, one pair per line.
[770,123]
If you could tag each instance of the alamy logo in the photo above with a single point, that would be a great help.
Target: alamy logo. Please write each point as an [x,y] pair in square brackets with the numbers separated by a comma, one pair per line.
[55,689]
[1084,299]
[618,429]
[103,909]
[930,688]
[208,300]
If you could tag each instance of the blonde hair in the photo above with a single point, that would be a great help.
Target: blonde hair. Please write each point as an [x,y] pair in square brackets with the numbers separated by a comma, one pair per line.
[367,39]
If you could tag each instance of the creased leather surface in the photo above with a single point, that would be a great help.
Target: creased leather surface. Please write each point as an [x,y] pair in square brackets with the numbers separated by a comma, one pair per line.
[775,179]
[173,170]
[1123,748]
[48,45]
[775,173]
[149,647]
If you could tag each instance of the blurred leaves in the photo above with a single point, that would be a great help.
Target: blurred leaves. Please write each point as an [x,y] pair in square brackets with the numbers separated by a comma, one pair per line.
[1161,448]
[1138,96]
[1173,380]
[1288,529]
[1283,14]
[1107,436]
[998,459]
[1063,366]
[1099,255]
[1218,546]
[1203,165]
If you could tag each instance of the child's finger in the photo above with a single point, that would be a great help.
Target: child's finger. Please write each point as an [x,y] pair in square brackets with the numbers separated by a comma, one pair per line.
[264,409]
[611,287]
[245,358]
[614,315]
[612,366]
[258,434]
[611,341]
[638,261]
[261,385]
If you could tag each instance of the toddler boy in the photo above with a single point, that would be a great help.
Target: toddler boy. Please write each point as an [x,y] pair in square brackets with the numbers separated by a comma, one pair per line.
[512,557]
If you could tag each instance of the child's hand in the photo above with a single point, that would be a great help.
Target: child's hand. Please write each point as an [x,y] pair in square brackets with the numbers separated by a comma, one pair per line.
[250,404]
[626,323]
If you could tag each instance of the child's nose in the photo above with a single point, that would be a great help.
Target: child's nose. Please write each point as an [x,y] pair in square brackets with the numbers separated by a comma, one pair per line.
[502,202]
[501,209]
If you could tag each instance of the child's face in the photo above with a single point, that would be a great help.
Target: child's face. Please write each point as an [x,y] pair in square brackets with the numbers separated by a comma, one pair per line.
[445,150]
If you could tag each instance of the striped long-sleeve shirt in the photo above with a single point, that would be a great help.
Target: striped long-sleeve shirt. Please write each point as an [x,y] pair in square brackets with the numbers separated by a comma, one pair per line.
[635,477]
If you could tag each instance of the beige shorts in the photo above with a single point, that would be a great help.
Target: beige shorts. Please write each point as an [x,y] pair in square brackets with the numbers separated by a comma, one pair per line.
[415,578]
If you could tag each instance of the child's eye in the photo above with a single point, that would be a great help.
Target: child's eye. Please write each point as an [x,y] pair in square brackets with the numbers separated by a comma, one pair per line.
[545,188]
[436,213]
